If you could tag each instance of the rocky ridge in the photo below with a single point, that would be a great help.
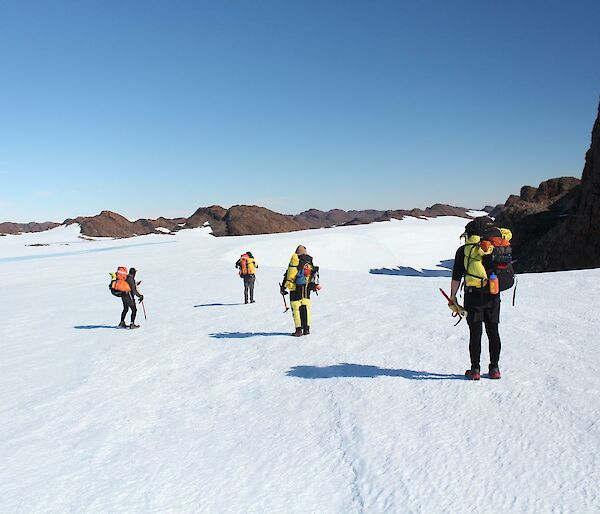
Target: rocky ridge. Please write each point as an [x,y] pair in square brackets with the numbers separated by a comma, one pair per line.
[17,228]
[235,221]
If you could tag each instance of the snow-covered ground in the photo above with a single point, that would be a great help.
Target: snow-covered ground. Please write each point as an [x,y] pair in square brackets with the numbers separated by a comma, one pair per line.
[212,407]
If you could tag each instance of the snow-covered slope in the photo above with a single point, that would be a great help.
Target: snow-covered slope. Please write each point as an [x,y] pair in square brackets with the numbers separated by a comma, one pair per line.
[212,407]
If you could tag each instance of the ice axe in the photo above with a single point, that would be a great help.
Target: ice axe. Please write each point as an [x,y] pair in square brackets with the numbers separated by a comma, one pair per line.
[461,310]
[283,293]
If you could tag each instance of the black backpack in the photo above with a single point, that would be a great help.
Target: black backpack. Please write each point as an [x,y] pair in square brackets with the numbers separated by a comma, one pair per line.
[500,262]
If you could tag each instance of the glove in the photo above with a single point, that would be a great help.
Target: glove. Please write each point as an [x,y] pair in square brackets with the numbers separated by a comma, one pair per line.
[141,298]
[457,310]
[282,290]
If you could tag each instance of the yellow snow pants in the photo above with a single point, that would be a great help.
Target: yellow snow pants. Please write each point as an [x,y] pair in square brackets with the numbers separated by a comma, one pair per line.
[296,311]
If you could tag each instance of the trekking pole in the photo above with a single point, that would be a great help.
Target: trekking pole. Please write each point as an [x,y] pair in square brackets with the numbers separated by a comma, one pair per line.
[462,312]
[142,302]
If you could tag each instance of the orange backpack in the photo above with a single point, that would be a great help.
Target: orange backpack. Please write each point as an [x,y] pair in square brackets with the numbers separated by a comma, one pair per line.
[121,284]
[244,264]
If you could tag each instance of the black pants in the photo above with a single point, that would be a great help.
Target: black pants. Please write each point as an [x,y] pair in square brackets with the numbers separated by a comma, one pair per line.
[128,303]
[476,331]
[483,309]
[249,287]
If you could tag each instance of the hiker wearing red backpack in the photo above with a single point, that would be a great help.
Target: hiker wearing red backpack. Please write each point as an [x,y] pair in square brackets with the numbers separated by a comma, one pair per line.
[125,287]
[247,266]
[485,263]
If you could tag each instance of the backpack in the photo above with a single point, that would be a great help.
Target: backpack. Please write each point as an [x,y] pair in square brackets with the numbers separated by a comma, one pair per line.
[500,260]
[244,264]
[306,270]
[118,284]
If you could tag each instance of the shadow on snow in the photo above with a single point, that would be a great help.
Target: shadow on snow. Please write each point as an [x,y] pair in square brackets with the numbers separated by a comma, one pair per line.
[345,370]
[411,272]
[217,304]
[245,335]
[93,327]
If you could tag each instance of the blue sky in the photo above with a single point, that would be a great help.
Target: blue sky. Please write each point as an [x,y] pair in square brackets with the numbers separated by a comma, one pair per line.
[156,108]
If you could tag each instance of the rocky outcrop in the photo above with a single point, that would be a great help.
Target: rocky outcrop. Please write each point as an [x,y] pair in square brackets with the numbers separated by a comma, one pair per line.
[555,226]
[583,228]
[111,224]
[18,228]
[213,216]
[244,220]
[336,217]
[315,218]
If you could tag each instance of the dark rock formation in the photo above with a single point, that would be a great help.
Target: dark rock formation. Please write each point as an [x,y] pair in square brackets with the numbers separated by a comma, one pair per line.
[556,226]
[336,217]
[249,219]
[18,228]
[213,216]
[239,220]
[111,224]
[488,208]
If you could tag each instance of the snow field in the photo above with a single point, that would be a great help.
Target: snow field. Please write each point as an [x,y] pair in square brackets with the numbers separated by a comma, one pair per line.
[212,407]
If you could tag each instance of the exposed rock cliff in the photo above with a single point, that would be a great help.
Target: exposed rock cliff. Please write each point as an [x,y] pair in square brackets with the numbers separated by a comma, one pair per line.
[556,225]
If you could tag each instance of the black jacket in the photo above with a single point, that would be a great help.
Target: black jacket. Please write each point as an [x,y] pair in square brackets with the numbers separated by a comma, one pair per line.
[133,286]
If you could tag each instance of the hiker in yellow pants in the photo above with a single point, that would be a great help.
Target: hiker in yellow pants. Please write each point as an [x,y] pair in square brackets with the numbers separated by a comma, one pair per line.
[301,278]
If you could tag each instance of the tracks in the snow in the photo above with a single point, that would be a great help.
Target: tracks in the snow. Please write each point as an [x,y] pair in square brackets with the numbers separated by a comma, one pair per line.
[367,493]
[346,446]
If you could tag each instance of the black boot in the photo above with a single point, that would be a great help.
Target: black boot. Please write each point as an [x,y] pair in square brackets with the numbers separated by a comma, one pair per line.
[122,324]
[306,331]
[298,332]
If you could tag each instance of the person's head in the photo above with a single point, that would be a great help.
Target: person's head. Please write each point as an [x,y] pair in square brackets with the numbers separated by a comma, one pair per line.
[132,271]
[249,254]
[301,250]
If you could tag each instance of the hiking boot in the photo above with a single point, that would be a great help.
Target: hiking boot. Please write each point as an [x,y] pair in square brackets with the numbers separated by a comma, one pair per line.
[473,374]
[252,301]
[133,325]
[494,373]
[298,332]
[122,325]
[306,331]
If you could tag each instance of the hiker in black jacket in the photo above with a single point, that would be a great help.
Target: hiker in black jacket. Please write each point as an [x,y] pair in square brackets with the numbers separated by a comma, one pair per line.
[482,306]
[129,300]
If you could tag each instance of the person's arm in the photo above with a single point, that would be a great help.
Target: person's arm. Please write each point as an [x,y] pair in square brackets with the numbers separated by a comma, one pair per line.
[238,263]
[133,286]
[458,270]
[454,285]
